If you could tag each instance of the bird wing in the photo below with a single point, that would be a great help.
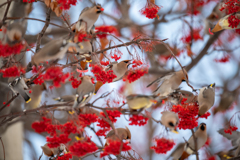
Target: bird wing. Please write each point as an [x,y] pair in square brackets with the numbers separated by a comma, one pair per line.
[161,79]
[85,9]
[233,137]
[111,133]
[54,46]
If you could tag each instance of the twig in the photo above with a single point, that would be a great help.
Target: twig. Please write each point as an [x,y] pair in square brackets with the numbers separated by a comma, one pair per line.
[35,19]
[3,148]
[9,101]
[179,64]
[40,35]
[195,143]
[5,14]
[41,156]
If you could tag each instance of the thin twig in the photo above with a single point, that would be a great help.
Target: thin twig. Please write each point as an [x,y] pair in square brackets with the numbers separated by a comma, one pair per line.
[195,144]
[5,14]
[9,101]
[3,148]
[40,35]
[35,19]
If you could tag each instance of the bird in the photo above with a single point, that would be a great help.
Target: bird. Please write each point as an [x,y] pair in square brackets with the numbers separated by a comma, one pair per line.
[66,98]
[138,101]
[121,134]
[36,96]
[201,138]
[177,152]
[170,120]
[85,91]
[211,20]
[50,152]
[88,17]
[206,98]
[18,85]
[119,69]
[169,82]
[224,24]
[235,140]
[16,30]
[178,95]
[227,99]
[53,50]
[85,53]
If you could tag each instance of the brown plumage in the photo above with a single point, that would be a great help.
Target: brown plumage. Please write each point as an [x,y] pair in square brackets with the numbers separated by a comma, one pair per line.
[122,134]
[201,137]
[206,98]
[119,69]
[50,152]
[169,82]
[169,119]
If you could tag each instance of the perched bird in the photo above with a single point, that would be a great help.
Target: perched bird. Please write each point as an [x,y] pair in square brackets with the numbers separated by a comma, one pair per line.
[85,53]
[122,134]
[88,17]
[85,91]
[66,98]
[177,152]
[138,101]
[178,95]
[206,98]
[170,120]
[224,24]
[119,69]
[88,110]
[201,138]
[36,96]
[234,138]
[54,50]
[15,31]
[211,20]
[227,98]
[50,152]
[169,82]
[18,85]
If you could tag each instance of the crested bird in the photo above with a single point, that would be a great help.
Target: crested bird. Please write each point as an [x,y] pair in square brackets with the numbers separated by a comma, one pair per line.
[223,23]
[206,98]
[170,120]
[138,101]
[88,17]
[119,69]
[122,134]
[50,152]
[85,91]
[18,85]
[201,138]
[54,50]
[169,82]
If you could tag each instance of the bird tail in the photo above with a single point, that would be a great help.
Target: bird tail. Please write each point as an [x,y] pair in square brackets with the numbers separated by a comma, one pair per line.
[184,155]
[25,96]
[83,65]
[98,86]
[57,99]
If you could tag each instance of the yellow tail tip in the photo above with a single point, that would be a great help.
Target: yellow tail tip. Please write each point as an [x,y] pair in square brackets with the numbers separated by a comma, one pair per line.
[79,138]
[175,132]
[71,112]
[89,61]
[28,100]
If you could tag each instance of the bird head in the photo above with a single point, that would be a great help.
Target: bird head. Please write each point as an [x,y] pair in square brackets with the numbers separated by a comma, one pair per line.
[126,62]
[211,85]
[99,8]
[128,134]
[203,126]
[184,75]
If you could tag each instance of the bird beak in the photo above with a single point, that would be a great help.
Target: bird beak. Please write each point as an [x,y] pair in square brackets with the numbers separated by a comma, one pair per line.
[217,28]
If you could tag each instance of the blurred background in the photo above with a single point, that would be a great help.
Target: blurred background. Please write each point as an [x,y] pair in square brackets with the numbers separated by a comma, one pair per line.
[209,59]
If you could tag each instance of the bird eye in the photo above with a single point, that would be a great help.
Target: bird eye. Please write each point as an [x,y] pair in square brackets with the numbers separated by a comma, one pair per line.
[171,124]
